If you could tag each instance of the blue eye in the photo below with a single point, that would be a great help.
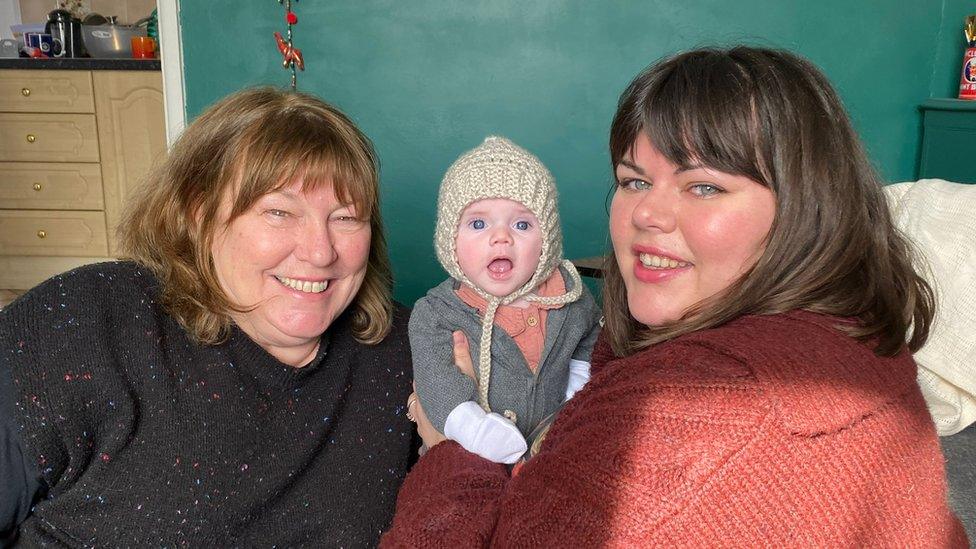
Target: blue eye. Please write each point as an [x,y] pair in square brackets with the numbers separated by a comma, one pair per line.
[522,225]
[706,189]
[634,184]
[477,224]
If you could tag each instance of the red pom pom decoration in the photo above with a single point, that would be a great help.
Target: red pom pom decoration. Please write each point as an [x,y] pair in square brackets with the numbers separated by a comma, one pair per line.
[292,18]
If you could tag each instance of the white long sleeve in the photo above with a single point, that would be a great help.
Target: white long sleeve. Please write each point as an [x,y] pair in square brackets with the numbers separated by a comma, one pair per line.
[491,436]
[579,375]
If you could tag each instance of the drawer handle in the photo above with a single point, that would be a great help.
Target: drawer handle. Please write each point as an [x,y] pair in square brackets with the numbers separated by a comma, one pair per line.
[41,233]
[31,138]
[25,92]
[37,186]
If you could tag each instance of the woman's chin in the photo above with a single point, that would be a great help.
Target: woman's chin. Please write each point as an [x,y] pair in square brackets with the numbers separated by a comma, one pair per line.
[652,316]
[303,327]
[653,322]
[304,332]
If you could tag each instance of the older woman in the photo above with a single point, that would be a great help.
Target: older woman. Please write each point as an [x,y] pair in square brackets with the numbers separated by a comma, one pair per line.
[241,380]
[752,386]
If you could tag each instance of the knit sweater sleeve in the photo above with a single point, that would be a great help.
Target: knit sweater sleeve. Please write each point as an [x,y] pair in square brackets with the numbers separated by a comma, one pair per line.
[450,499]
[602,353]
[440,386]
[648,436]
[32,341]
[19,480]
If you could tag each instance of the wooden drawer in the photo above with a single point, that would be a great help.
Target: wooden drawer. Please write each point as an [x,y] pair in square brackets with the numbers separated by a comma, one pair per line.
[46,91]
[52,233]
[44,186]
[8,296]
[48,137]
[18,272]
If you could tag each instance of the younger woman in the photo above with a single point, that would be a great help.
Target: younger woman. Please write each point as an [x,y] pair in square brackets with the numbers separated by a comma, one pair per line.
[752,386]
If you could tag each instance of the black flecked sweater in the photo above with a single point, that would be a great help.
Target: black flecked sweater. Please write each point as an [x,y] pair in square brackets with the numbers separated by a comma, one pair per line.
[148,439]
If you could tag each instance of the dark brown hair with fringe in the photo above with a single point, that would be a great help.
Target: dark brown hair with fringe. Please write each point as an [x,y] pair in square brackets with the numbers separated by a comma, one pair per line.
[251,143]
[773,117]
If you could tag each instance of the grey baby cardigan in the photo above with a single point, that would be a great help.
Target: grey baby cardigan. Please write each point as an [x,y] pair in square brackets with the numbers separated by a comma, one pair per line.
[571,331]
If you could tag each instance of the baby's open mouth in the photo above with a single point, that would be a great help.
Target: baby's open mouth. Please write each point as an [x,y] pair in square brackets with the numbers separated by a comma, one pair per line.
[500,266]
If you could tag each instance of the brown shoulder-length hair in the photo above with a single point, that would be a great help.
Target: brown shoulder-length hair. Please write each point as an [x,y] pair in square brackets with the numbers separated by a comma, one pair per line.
[832,248]
[251,143]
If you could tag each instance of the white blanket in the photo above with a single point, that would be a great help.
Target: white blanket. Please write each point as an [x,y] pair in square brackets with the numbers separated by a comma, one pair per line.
[940,218]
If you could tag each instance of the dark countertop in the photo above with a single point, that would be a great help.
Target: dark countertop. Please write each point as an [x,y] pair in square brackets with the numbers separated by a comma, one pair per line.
[81,64]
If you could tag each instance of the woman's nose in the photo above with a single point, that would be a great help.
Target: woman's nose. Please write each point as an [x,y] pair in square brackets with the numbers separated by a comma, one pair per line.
[656,211]
[317,246]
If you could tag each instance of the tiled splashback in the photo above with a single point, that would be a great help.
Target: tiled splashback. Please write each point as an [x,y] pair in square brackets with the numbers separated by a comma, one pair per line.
[128,11]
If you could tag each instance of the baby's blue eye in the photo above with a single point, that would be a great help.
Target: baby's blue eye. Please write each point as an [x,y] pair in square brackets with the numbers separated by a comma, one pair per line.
[522,225]
[477,224]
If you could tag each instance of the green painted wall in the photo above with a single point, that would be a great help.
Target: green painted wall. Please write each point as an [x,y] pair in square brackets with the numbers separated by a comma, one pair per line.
[428,79]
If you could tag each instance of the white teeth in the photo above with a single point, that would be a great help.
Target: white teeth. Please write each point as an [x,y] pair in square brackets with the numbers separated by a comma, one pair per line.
[658,262]
[304,285]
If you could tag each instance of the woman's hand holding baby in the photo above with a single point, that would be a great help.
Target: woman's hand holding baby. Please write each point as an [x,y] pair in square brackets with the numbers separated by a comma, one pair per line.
[462,355]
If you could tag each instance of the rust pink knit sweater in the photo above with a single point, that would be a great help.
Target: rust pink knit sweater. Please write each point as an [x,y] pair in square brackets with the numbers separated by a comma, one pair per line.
[769,431]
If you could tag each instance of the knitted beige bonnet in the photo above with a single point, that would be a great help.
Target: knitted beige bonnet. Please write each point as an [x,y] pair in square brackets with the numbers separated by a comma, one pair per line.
[499,168]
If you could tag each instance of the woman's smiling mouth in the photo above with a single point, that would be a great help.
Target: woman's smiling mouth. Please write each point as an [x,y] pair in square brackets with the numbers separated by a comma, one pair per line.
[652,261]
[306,286]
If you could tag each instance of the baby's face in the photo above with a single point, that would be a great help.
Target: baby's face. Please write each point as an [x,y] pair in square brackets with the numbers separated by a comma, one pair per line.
[499,244]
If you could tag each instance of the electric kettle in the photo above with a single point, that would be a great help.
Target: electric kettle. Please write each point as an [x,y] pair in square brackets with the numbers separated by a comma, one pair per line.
[65,32]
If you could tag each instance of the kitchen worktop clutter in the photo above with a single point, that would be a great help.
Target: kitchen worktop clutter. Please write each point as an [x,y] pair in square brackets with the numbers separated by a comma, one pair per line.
[97,36]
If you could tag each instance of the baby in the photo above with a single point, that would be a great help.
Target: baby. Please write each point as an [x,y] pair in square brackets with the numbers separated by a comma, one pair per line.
[530,321]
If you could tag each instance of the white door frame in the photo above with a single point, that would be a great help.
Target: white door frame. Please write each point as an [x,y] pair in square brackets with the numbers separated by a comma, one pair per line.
[171,54]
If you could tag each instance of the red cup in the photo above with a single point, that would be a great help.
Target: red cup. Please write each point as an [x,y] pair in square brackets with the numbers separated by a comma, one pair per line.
[143,47]
[967,82]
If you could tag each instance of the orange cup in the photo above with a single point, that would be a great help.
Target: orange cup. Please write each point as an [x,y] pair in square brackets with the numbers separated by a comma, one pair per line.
[143,47]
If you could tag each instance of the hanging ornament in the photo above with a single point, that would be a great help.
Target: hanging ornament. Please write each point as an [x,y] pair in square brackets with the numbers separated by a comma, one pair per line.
[291,56]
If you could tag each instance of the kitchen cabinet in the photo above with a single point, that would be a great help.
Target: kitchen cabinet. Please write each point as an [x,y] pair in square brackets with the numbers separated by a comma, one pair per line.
[74,145]
[948,140]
